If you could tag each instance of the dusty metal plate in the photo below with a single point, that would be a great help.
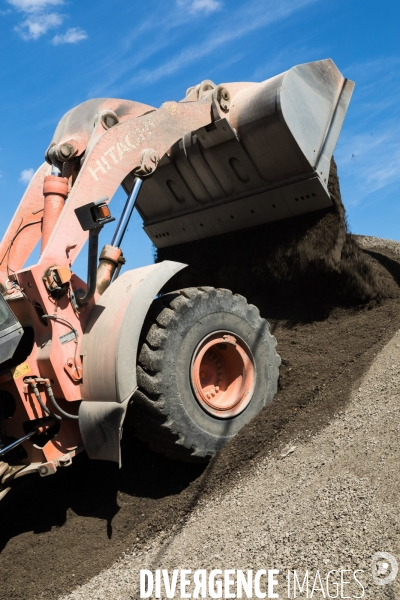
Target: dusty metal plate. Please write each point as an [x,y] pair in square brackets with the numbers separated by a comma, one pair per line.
[274,205]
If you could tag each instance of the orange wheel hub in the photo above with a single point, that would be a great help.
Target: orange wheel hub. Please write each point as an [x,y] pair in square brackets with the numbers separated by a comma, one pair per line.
[223,374]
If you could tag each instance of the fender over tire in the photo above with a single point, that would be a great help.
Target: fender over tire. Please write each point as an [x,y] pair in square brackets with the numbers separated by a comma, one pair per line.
[109,350]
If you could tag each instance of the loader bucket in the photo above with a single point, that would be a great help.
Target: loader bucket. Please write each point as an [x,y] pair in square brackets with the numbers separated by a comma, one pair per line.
[267,159]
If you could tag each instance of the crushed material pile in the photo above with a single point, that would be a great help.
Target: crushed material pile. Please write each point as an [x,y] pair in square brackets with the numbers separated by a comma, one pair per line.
[309,259]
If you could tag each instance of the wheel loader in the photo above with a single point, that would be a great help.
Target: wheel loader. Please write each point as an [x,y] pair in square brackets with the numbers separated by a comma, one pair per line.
[196,363]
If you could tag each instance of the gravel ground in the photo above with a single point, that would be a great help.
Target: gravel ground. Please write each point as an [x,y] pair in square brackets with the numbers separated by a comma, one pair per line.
[330,503]
[368,242]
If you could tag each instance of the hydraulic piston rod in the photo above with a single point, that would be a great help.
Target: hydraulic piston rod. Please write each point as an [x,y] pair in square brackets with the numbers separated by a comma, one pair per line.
[126,214]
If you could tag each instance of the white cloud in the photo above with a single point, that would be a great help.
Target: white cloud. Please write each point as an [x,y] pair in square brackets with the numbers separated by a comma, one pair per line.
[197,6]
[37,25]
[71,36]
[26,176]
[33,5]
[39,17]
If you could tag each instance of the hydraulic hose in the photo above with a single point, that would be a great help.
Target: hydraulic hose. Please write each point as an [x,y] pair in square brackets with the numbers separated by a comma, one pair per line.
[65,415]
[60,410]
[42,404]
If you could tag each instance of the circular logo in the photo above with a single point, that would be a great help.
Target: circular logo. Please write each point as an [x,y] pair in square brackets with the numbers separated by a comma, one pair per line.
[384,568]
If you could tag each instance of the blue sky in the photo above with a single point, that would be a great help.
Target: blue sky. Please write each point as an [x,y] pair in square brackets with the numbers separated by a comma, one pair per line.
[58,53]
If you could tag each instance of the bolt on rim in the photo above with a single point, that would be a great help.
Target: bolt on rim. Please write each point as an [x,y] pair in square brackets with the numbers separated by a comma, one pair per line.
[223,374]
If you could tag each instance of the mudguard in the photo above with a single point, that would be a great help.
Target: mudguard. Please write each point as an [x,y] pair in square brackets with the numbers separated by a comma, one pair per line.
[109,349]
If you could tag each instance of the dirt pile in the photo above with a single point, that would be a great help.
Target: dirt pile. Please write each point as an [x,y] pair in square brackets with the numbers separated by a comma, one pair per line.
[311,257]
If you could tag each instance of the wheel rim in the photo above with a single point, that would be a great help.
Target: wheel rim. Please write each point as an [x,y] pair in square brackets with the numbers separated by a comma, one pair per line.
[223,374]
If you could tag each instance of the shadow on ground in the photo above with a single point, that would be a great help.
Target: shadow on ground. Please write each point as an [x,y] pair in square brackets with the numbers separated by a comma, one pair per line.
[91,488]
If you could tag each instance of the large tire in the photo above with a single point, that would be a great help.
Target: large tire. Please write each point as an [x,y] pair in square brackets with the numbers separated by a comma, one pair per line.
[166,411]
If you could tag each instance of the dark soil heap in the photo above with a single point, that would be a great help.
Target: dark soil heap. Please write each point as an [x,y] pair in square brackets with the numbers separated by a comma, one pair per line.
[311,259]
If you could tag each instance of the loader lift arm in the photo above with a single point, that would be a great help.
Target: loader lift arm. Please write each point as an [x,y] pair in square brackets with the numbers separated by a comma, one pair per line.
[130,145]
